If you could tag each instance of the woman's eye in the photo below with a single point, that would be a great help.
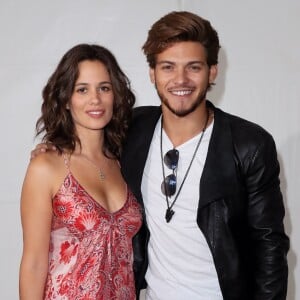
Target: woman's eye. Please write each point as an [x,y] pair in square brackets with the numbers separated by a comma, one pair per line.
[81,90]
[105,88]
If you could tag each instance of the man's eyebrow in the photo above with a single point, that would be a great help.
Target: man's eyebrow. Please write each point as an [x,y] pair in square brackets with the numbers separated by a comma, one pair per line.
[188,63]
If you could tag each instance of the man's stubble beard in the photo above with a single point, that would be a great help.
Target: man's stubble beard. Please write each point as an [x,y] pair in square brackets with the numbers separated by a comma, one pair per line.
[183,112]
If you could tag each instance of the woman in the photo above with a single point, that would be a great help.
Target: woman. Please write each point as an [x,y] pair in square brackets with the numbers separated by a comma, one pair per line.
[78,216]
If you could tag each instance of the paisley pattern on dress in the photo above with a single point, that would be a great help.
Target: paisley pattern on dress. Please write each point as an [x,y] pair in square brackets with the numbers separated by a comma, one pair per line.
[91,254]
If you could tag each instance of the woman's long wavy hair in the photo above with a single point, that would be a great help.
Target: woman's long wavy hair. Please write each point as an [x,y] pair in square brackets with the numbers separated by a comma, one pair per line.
[56,121]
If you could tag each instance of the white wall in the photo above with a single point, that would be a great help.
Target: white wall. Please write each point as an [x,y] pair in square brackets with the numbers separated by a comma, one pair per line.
[259,80]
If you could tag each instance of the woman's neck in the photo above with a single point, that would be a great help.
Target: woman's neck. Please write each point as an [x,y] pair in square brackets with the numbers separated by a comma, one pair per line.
[91,145]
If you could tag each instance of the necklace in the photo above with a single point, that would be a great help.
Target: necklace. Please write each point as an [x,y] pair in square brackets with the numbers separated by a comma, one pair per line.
[100,173]
[169,211]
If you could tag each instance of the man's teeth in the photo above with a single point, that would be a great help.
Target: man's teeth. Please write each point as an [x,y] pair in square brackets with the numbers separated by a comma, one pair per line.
[181,93]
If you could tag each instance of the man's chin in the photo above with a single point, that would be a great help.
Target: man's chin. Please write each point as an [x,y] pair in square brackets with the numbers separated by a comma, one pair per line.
[180,111]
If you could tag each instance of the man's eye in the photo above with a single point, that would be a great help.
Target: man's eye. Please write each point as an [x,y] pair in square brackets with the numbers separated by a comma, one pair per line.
[195,68]
[166,67]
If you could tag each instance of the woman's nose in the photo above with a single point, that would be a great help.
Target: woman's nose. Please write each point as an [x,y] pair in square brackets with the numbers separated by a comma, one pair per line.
[95,97]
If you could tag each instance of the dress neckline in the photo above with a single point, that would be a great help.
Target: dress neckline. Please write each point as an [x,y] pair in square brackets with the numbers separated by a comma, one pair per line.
[91,198]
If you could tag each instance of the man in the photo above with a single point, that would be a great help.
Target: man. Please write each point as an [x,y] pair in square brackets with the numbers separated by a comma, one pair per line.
[208,181]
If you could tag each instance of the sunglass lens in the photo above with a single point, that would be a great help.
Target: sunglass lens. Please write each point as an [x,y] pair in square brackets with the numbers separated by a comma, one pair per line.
[171,159]
[168,187]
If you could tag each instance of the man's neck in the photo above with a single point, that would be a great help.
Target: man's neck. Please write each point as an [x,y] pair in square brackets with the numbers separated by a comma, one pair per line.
[181,129]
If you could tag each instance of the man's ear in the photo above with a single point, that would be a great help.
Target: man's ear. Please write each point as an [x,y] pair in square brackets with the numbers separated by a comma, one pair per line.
[152,75]
[213,72]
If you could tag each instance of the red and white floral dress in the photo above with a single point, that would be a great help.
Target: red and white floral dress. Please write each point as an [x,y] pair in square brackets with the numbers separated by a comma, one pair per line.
[91,252]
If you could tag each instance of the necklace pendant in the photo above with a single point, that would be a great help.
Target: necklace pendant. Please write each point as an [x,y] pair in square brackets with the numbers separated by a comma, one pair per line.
[169,214]
[101,175]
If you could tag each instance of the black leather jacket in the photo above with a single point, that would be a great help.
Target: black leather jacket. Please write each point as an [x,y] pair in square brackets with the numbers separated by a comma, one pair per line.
[240,209]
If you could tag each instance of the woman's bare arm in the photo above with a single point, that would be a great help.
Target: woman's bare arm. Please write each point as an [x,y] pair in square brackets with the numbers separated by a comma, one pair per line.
[36,215]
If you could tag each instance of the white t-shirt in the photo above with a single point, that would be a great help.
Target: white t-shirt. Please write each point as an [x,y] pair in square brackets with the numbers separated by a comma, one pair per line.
[181,266]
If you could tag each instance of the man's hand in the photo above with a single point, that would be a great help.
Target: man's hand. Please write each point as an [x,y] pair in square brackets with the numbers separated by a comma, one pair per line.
[42,148]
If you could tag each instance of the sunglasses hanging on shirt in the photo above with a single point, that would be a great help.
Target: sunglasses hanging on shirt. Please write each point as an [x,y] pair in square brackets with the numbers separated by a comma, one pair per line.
[169,184]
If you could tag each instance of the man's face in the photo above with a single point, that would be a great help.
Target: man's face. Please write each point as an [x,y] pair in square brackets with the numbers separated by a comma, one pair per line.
[182,76]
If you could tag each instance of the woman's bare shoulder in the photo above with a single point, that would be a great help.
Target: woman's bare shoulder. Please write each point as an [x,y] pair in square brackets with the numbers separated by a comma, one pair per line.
[46,172]
[46,163]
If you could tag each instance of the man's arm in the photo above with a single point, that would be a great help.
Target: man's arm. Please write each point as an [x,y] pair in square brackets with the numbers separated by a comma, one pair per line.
[269,242]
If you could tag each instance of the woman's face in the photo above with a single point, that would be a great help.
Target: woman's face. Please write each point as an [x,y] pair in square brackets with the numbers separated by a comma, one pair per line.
[91,104]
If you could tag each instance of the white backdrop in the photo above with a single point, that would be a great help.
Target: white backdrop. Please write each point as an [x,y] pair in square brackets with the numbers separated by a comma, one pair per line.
[259,80]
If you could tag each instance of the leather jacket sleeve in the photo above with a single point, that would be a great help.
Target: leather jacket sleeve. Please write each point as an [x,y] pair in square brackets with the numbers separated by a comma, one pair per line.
[269,244]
